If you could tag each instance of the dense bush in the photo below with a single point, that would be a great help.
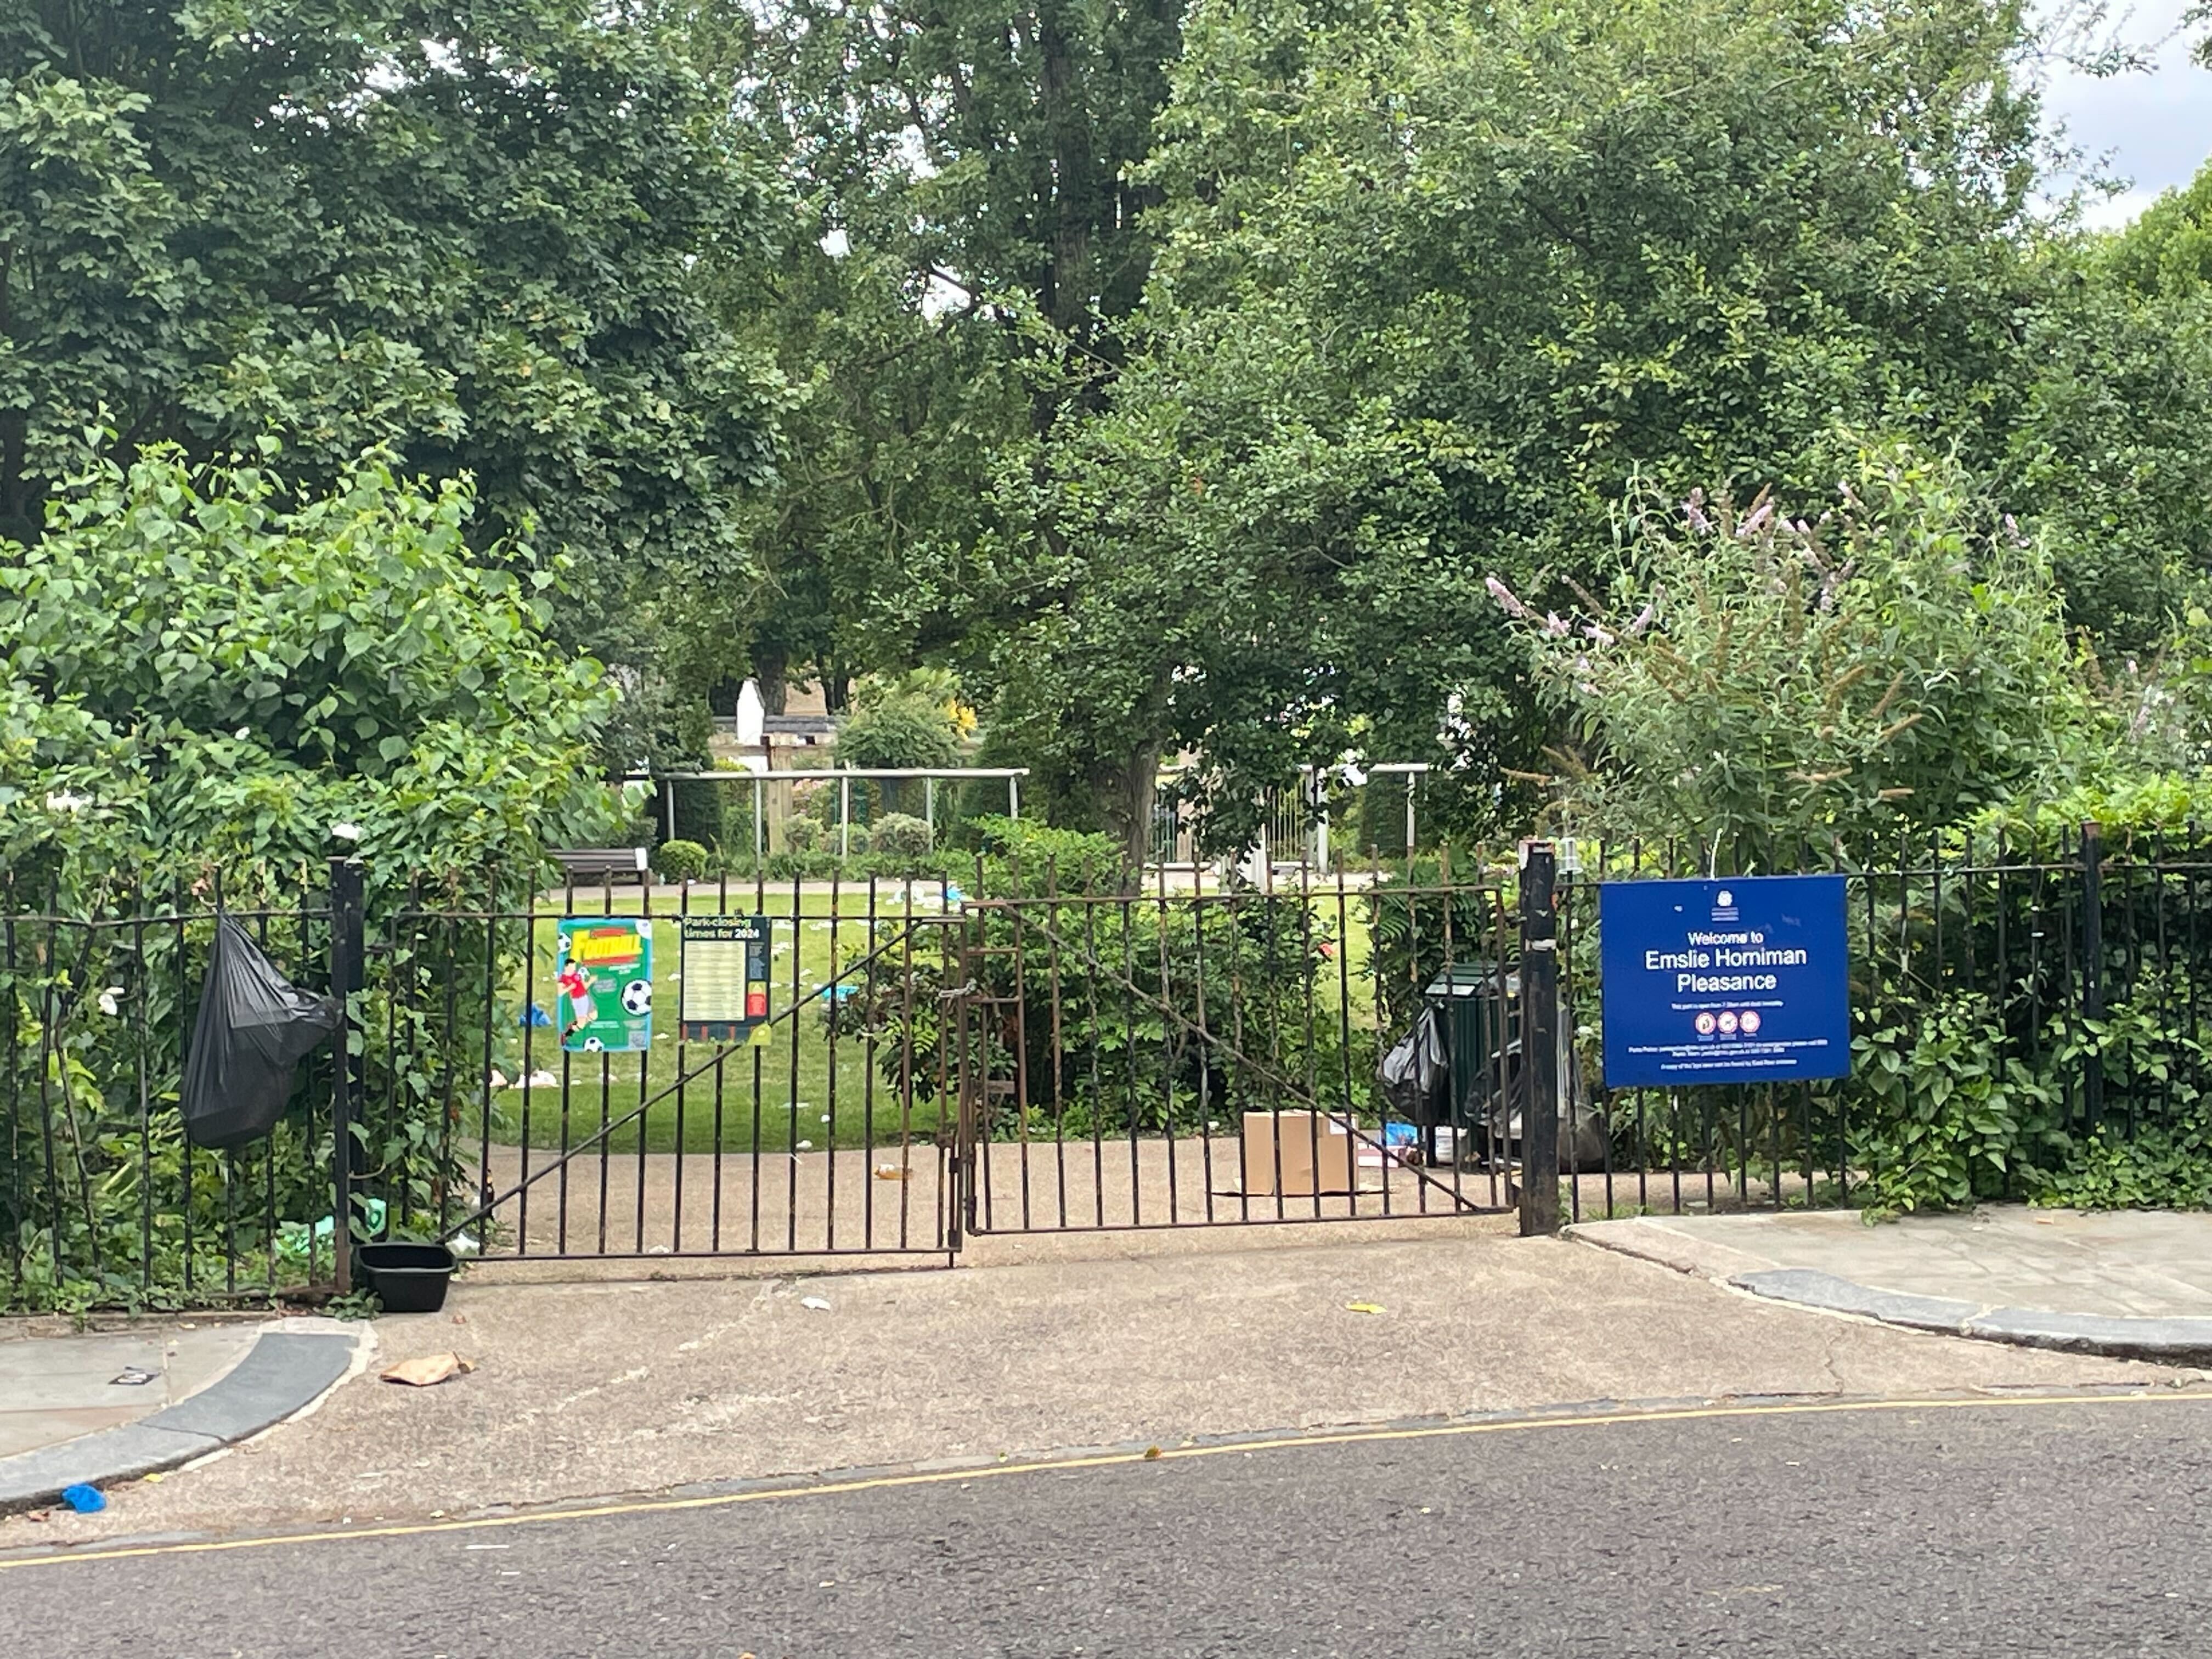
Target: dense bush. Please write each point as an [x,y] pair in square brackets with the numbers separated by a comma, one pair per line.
[211,687]
[1892,669]
[801,835]
[1136,1017]
[198,675]
[1418,920]
[1942,1112]
[1950,1104]
[702,810]
[897,835]
[1033,856]
[680,860]
[898,730]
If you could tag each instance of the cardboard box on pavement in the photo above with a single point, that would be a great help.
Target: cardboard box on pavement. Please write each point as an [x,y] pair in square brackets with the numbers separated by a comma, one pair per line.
[1312,1150]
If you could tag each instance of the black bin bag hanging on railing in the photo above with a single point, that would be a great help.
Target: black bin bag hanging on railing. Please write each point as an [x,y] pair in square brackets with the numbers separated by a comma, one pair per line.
[1416,1074]
[255,1028]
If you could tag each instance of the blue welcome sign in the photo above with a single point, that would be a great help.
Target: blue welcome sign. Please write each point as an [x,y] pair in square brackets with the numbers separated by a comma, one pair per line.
[1743,981]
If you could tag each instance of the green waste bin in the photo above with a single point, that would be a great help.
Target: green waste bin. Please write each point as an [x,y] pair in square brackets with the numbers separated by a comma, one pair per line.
[1480,1014]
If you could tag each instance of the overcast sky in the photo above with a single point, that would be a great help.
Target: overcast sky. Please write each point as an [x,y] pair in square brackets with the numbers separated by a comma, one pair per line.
[2155,128]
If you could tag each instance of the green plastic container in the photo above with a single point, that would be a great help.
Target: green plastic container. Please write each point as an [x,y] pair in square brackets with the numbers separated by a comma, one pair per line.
[1480,1020]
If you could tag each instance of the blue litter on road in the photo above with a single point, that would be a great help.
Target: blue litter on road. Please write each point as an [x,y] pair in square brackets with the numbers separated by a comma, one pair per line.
[85,1500]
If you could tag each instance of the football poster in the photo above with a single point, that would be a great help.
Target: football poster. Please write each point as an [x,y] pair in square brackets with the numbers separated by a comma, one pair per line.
[603,970]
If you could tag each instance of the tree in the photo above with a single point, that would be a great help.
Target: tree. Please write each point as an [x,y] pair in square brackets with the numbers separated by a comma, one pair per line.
[209,669]
[1434,288]
[469,232]
[971,242]
[2111,451]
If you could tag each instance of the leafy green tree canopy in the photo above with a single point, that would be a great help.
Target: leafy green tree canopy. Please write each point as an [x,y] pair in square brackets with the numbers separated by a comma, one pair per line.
[205,671]
[468,232]
[1435,286]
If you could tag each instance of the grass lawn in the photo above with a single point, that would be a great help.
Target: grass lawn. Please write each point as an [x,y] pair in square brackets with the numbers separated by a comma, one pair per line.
[795,1101]
[793,1094]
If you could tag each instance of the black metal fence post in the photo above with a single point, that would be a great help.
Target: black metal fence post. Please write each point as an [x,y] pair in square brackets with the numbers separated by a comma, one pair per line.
[2092,968]
[1539,1039]
[347,949]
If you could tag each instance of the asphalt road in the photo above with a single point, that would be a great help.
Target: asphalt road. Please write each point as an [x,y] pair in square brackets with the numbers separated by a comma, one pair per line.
[2005,1528]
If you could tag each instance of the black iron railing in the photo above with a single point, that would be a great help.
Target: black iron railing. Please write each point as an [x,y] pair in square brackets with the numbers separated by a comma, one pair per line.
[939,1060]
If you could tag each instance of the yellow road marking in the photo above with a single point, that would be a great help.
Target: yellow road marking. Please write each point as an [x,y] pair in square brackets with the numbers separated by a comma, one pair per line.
[1106,1460]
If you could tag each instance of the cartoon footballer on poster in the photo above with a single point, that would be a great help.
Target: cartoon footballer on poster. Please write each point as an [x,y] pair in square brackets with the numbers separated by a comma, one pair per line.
[575,987]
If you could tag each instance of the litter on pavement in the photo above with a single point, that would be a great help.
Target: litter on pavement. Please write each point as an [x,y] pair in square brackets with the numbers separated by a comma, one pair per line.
[429,1369]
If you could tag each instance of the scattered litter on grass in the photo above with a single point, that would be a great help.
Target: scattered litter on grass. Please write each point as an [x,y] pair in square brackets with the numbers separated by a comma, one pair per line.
[429,1369]
[806,1147]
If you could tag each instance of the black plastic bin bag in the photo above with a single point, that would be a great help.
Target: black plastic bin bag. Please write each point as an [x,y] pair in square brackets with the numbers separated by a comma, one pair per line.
[255,1028]
[1416,1074]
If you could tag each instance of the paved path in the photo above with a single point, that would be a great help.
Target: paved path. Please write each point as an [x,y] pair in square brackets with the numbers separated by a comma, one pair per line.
[54,1388]
[896,1197]
[2141,1264]
[214,1394]
[627,1387]
[2136,1284]
[1988,1529]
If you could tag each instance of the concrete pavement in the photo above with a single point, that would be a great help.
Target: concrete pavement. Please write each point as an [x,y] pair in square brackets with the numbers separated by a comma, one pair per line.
[607,1387]
[1991,1526]
[208,1394]
[2124,1282]
[57,1387]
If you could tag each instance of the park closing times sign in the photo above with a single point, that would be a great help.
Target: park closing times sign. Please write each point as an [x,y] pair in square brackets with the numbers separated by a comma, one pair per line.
[725,964]
[1743,981]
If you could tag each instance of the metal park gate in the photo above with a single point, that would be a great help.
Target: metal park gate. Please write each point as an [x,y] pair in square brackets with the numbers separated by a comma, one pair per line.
[929,1064]
[939,1066]
[1204,1058]
[932,1063]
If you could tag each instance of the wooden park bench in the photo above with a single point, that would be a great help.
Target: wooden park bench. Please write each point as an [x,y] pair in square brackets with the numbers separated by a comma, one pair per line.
[584,866]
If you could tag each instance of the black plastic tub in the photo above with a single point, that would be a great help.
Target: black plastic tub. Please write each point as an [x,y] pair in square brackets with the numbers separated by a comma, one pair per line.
[406,1278]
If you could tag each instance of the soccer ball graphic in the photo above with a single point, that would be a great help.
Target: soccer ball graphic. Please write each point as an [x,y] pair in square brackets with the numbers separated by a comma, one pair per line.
[593,1045]
[637,997]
